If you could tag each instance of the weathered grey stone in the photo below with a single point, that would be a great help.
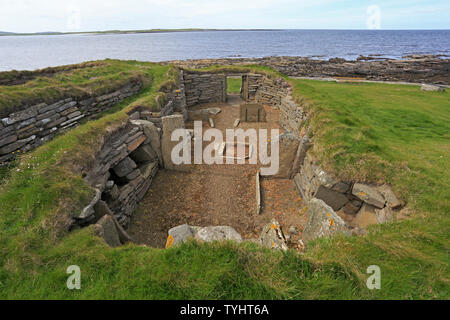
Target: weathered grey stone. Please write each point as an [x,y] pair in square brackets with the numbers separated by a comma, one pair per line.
[273,237]
[149,170]
[334,199]
[89,211]
[303,147]
[136,142]
[16,145]
[341,187]
[293,230]
[391,200]
[214,111]
[143,154]
[135,115]
[385,215]
[66,106]
[430,87]
[22,115]
[351,208]
[9,148]
[252,113]
[109,185]
[8,140]
[221,233]
[170,124]
[302,184]
[323,178]
[322,221]
[100,209]
[179,235]
[288,145]
[106,228]
[65,123]
[73,114]
[55,123]
[366,216]
[133,175]
[258,193]
[124,167]
[51,107]
[368,194]
[153,136]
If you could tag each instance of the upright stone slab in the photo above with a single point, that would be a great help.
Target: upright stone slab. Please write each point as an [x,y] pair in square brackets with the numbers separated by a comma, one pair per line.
[273,237]
[287,151]
[322,221]
[178,235]
[106,228]
[169,125]
[220,233]
[252,113]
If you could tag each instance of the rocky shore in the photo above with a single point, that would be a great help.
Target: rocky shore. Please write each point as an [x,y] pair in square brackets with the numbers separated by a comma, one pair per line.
[414,68]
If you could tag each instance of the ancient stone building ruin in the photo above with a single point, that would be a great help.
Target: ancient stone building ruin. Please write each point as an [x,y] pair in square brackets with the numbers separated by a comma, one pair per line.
[132,155]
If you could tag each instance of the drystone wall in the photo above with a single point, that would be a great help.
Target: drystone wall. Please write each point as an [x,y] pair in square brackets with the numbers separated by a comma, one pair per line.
[125,166]
[201,87]
[278,94]
[335,206]
[27,129]
[332,206]
[123,172]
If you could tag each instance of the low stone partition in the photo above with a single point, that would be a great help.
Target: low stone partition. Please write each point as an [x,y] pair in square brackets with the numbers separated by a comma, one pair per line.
[34,125]
[202,87]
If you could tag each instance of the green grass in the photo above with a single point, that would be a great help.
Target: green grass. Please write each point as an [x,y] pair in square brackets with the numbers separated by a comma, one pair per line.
[392,134]
[367,126]
[80,81]
[234,85]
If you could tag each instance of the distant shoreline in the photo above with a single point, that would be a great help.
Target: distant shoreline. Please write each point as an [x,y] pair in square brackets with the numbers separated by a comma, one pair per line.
[50,33]
[57,33]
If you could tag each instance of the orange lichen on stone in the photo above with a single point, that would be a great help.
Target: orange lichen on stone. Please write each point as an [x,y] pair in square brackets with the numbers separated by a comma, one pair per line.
[331,222]
[169,242]
[362,194]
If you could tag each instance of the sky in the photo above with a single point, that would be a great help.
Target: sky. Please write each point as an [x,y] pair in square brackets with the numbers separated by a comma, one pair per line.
[93,15]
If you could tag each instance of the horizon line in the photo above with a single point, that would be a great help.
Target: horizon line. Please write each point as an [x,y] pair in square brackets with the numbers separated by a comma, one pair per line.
[162,30]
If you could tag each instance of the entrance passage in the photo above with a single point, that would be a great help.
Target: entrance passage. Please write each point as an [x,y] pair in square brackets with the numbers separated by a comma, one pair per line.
[234,85]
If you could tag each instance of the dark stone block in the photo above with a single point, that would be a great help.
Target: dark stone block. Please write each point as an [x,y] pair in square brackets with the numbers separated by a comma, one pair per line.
[334,199]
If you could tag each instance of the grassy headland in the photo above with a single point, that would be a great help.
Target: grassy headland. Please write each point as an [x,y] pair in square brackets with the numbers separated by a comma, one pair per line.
[389,133]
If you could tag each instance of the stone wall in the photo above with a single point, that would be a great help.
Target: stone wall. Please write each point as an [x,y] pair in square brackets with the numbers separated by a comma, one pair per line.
[123,172]
[129,159]
[201,87]
[27,129]
[352,206]
[278,94]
